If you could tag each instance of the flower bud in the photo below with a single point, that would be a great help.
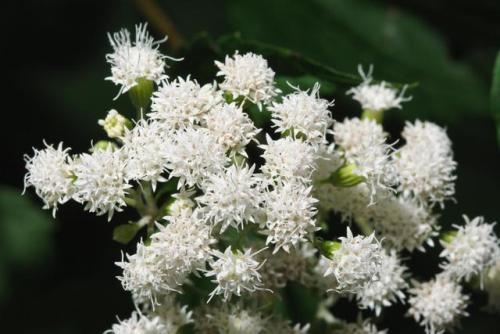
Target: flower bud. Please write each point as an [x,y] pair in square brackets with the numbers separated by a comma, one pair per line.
[140,94]
[115,124]
[345,177]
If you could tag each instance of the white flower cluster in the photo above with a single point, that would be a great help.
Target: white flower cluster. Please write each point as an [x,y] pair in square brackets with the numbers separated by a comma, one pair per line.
[230,215]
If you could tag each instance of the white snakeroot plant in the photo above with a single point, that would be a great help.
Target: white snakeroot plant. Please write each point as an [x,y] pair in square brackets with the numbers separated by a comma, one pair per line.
[232,127]
[290,211]
[183,103]
[424,165]
[376,97]
[50,173]
[438,304]
[356,261]
[231,197]
[234,272]
[474,249]
[248,76]
[134,60]
[303,114]
[101,181]
[209,180]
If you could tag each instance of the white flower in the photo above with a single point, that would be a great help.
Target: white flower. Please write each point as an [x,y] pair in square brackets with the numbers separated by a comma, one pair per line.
[229,319]
[131,61]
[363,143]
[172,316]
[114,124]
[193,155]
[277,325]
[360,327]
[376,97]
[248,76]
[176,250]
[303,114]
[288,159]
[350,202]
[295,266]
[234,272]
[403,223]
[356,262]
[290,215]
[101,181]
[50,173]
[183,205]
[437,304]
[387,288]
[425,165]
[231,197]
[183,103]
[232,127]
[473,249]
[144,151]
[138,324]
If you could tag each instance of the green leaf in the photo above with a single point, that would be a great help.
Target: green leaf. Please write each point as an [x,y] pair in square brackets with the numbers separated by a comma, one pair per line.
[495,95]
[126,232]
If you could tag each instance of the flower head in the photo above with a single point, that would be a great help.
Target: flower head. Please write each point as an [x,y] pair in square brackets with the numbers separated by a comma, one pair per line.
[234,272]
[135,60]
[231,197]
[388,286]
[376,97]
[229,319]
[425,167]
[360,327]
[101,181]
[437,304]
[115,124]
[290,215]
[248,76]
[472,250]
[303,113]
[183,103]
[356,262]
[232,127]
[138,324]
[144,151]
[288,159]
[50,173]
[194,154]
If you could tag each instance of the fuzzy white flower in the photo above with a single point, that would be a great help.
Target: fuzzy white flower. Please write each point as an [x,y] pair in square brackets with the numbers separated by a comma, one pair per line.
[234,272]
[295,266]
[232,127]
[176,250]
[50,173]
[438,304]
[183,205]
[360,327]
[303,113]
[144,151]
[363,143]
[131,61]
[231,197]
[403,223]
[101,181]
[356,262]
[288,159]
[425,165]
[183,103]
[350,202]
[248,76]
[193,155]
[376,97]
[172,315]
[290,211]
[473,249]
[229,319]
[387,288]
[114,124]
[138,324]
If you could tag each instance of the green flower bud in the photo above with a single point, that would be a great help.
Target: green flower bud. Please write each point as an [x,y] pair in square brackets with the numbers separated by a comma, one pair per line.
[376,115]
[115,124]
[140,94]
[103,145]
[345,177]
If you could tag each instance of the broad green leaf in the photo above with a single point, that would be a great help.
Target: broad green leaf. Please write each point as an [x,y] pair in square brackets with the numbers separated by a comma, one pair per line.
[126,232]
[495,95]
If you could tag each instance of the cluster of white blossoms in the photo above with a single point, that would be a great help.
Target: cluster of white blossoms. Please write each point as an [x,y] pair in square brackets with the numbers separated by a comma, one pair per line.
[240,220]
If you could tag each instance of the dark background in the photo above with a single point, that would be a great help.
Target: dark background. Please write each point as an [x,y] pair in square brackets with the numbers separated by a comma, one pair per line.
[58,276]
